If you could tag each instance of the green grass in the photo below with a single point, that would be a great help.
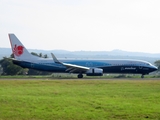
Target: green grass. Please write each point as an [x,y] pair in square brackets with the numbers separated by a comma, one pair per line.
[79,99]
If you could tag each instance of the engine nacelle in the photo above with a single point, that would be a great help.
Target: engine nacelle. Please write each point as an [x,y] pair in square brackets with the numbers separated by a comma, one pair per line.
[94,72]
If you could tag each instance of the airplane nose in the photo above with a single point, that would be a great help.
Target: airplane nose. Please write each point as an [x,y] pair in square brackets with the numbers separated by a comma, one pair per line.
[154,68]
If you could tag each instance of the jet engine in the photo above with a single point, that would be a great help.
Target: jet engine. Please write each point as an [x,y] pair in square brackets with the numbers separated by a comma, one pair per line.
[94,72]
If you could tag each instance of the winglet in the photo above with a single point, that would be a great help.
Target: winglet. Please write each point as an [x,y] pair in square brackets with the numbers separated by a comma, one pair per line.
[55,59]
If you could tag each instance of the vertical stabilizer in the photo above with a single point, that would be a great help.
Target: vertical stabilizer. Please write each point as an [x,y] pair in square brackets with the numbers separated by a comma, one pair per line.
[18,49]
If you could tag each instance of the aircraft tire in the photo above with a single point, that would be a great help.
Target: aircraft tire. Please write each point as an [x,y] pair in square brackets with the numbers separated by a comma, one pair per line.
[142,76]
[80,76]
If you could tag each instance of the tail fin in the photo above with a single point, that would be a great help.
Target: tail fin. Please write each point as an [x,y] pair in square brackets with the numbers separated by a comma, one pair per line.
[18,49]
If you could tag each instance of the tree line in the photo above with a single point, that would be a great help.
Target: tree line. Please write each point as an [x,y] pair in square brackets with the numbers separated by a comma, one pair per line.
[8,68]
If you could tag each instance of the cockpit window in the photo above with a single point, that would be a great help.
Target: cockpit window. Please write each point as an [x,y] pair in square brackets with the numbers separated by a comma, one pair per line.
[149,64]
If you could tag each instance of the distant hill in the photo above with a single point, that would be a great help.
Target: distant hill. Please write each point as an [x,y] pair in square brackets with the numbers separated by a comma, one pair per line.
[114,54]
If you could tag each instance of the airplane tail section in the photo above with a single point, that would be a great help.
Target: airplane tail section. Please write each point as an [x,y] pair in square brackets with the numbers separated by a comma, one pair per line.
[18,49]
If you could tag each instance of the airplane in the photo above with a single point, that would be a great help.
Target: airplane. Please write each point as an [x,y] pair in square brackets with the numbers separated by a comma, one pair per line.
[89,67]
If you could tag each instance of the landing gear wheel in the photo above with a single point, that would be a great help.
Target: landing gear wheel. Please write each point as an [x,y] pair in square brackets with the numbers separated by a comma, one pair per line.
[142,76]
[80,76]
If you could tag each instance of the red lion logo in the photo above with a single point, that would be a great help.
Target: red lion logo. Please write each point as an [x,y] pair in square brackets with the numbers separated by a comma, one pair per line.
[18,50]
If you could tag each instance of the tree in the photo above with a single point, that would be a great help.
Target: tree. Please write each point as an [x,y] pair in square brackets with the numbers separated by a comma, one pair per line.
[1,70]
[157,63]
[39,55]
[9,68]
[33,53]
[45,56]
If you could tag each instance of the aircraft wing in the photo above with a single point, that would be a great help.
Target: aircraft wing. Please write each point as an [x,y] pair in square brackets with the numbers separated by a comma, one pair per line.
[71,67]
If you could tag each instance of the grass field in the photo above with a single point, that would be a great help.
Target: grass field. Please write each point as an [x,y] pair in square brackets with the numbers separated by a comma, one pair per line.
[79,99]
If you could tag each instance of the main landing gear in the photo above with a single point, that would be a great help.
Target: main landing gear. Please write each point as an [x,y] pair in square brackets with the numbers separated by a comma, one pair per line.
[80,75]
[142,76]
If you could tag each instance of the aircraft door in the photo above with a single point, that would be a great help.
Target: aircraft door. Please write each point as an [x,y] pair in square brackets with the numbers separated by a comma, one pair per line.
[93,71]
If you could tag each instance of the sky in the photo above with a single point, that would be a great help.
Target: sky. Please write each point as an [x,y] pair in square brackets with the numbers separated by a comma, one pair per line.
[87,25]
